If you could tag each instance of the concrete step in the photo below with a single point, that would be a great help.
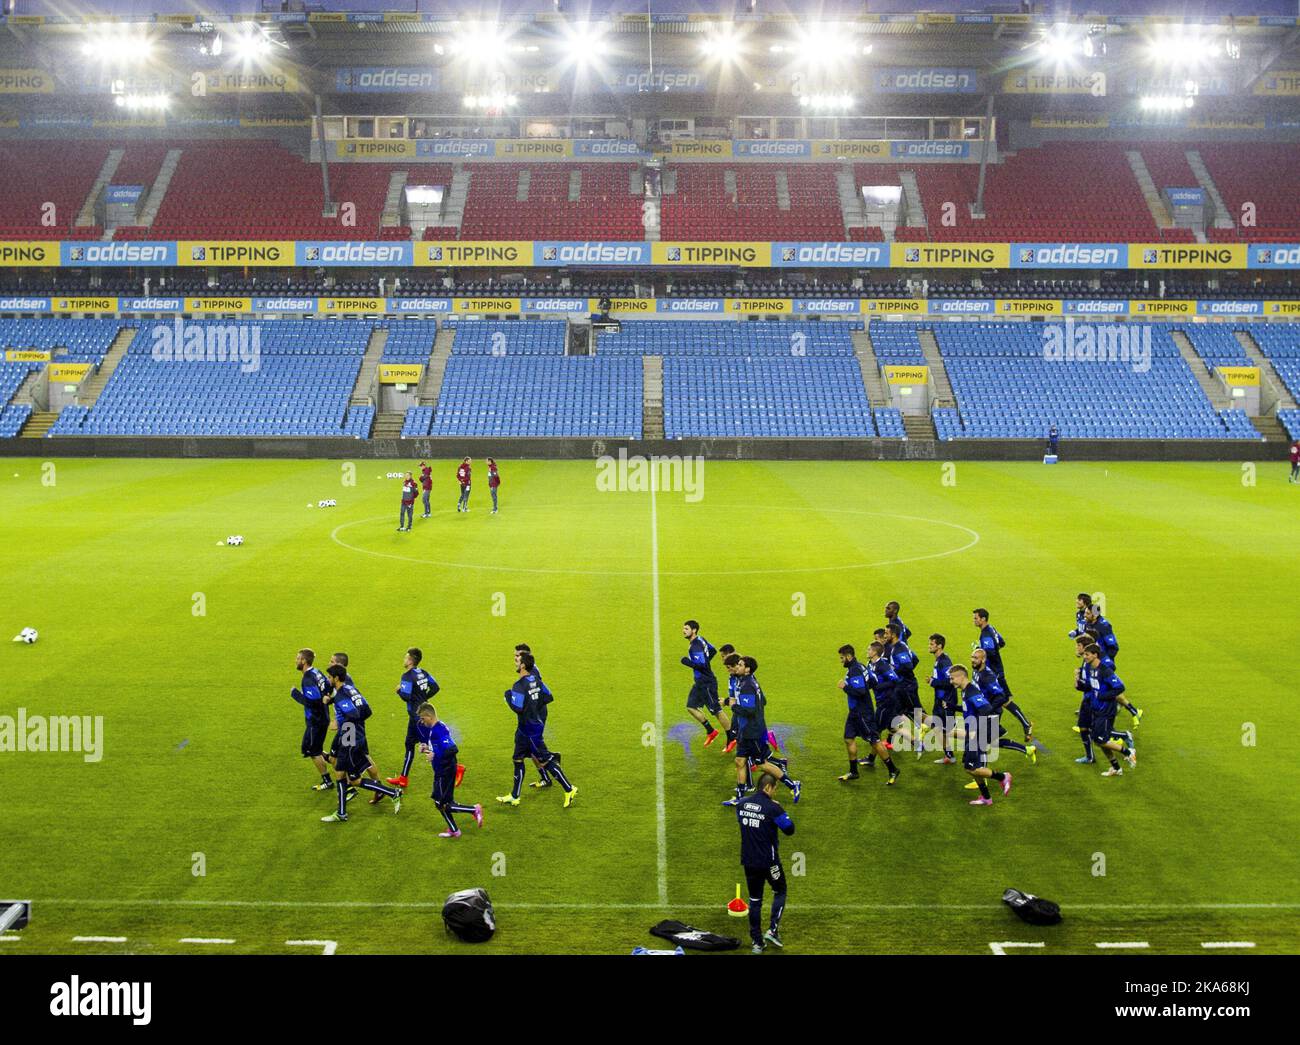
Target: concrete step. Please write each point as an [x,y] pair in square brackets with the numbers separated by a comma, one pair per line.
[94,386]
[363,393]
[1210,385]
[940,386]
[159,189]
[388,426]
[870,367]
[86,216]
[1156,205]
[850,201]
[38,424]
[431,383]
[919,426]
[392,215]
[652,397]
[912,203]
[1270,428]
[1222,219]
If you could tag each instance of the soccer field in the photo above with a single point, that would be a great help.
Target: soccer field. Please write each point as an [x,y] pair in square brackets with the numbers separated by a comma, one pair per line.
[185,647]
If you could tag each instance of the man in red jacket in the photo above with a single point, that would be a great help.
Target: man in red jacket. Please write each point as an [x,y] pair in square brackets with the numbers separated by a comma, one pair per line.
[1295,461]
[408,504]
[494,480]
[462,477]
[426,483]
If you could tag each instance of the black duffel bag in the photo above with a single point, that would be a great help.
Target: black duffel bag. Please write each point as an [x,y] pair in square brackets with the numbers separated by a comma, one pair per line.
[1032,909]
[468,916]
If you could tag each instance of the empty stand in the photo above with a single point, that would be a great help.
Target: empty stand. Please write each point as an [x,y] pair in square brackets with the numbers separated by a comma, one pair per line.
[756,201]
[543,201]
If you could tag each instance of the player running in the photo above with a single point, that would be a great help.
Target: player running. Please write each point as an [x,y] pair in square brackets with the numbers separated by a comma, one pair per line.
[704,689]
[892,617]
[526,699]
[315,686]
[415,688]
[354,761]
[980,724]
[861,719]
[992,643]
[1101,627]
[751,729]
[884,683]
[1105,686]
[945,698]
[438,747]
[991,686]
[760,817]
[543,774]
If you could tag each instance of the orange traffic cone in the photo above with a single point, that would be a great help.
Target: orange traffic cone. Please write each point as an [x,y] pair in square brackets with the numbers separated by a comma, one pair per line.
[738,908]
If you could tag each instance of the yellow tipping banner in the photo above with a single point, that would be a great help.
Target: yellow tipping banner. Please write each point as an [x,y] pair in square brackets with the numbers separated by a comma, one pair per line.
[236,252]
[84,304]
[1162,308]
[901,306]
[218,306]
[486,306]
[27,355]
[1187,255]
[1028,307]
[1239,376]
[744,255]
[30,253]
[760,306]
[480,253]
[906,375]
[352,306]
[67,373]
[400,373]
[950,255]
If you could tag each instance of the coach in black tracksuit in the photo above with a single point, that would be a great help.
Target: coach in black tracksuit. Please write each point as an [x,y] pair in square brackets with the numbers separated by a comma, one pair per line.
[761,816]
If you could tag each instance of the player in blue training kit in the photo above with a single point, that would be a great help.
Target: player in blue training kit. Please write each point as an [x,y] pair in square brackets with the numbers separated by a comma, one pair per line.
[1082,683]
[1105,686]
[353,761]
[1082,602]
[543,774]
[861,718]
[760,817]
[315,687]
[752,751]
[991,643]
[1101,627]
[527,699]
[991,686]
[884,683]
[438,747]
[704,689]
[892,617]
[416,687]
[907,695]
[980,724]
[945,698]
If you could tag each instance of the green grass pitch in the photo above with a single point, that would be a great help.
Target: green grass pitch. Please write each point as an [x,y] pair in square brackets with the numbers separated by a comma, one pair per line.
[200,767]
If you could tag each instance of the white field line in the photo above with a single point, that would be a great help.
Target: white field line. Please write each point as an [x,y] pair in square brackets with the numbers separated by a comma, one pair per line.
[1219,945]
[326,946]
[1001,948]
[99,939]
[661,822]
[203,939]
[1129,945]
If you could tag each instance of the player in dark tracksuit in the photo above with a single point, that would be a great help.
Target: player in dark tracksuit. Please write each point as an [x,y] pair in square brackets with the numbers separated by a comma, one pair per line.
[979,721]
[1082,603]
[702,700]
[437,745]
[416,687]
[905,661]
[1081,643]
[1105,686]
[353,764]
[945,697]
[761,817]
[991,686]
[884,683]
[752,751]
[861,718]
[315,686]
[527,699]
[892,617]
[991,643]
[544,774]
[1100,626]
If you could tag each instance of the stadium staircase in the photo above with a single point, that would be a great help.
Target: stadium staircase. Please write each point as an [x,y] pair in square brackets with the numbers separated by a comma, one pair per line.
[363,390]
[942,387]
[388,426]
[1222,219]
[457,195]
[38,424]
[1270,428]
[1270,380]
[850,201]
[155,198]
[431,383]
[90,391]
[392,215]
[870,367]
[1159,212]
[652,397]
[919,426]
[1214,392]
[912,204]
[86,217]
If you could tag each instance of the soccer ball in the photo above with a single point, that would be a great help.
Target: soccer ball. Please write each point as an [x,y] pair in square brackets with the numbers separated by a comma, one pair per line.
[235,540]
[27,635]
[327,504]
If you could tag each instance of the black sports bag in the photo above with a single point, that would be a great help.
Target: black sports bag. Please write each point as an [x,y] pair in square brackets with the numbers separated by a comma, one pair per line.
[1032,909]
[468,916]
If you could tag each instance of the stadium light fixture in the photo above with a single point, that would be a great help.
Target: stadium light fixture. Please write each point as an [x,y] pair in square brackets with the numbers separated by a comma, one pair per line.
[143,102]
[250,44]
[118,46]
[821,43]
[723,46]
[826,102]
[1058,47]
[583,42]
[1166,102]
[1178,49]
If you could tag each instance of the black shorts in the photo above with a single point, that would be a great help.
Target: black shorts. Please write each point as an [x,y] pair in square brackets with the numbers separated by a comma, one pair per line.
[755,750]
[861,723]
[334,745]
[767,874]
[530,745]
[704,695]
[412,733]
[1103,724]
[444,783]
[354,760]
[974,758]
[1085,714]
[313,739]
[885,715]
[1006,688]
